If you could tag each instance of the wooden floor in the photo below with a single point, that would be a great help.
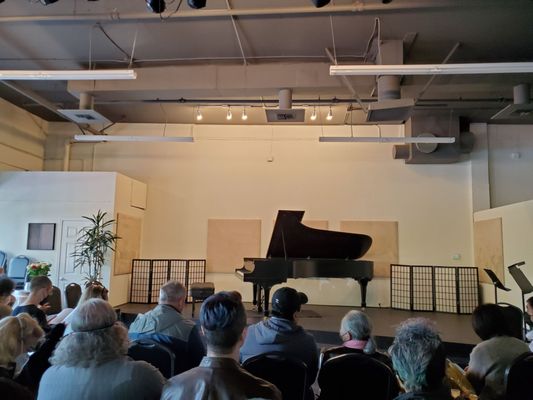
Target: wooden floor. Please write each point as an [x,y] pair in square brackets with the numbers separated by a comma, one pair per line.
[452,327]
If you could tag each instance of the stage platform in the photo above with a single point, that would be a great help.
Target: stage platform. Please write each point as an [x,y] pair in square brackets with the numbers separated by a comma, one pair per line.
[324,321]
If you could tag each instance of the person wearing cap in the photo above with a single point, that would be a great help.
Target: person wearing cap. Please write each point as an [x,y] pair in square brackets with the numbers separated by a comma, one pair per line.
[281,332]
[91,362]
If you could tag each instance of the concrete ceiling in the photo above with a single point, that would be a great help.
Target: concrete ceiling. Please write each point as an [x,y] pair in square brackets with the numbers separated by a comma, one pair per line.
[239,53]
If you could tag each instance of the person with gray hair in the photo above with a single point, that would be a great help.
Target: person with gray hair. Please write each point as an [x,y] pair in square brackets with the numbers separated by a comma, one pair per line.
[419,360]
[356,335]
[166,325]
[91,362]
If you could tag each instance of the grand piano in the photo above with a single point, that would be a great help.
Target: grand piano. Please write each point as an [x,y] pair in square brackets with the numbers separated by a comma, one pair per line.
[298,251]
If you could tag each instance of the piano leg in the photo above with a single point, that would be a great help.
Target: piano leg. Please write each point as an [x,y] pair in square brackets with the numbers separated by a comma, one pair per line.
[258,298]
[254,301]
[363,282]
[267,300]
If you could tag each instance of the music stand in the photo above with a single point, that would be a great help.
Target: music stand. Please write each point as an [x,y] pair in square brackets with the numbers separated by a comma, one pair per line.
[497,284]
[522,282]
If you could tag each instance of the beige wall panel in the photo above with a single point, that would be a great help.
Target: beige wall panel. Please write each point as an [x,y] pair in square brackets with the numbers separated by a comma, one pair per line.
[488,248]
[317,224]
[128,246]
[384,249]
[229,241]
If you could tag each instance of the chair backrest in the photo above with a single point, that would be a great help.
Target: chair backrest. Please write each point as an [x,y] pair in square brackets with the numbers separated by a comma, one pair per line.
[3,259]
[289,374]
[54,300]
[514,318]
[154,353]
[517,375]
[349,375]
[72,294]
[17,270]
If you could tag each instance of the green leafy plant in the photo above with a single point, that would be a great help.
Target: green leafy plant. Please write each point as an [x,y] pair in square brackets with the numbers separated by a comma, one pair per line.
[92,245]
[38,269]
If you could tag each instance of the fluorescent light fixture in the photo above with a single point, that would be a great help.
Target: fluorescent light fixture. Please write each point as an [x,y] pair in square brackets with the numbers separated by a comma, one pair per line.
[385,139]
[433,69]
[115,138]
[67,75]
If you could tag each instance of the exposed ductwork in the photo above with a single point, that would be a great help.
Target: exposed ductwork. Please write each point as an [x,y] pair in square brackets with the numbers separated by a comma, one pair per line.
[285,113]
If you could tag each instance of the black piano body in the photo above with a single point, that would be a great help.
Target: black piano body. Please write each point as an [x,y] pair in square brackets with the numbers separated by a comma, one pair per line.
[298,251]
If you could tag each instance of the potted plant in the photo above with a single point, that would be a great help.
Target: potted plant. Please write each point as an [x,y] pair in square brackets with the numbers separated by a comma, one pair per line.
[92,245]
[36,269]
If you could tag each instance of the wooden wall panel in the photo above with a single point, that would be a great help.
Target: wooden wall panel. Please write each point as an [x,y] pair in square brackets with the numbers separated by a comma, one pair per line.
[229,241]
[129,245]
[488,248]
[385,248]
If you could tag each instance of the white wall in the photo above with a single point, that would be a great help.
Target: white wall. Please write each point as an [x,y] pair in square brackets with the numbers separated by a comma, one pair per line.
[226,173]
[22,139]
[517,227]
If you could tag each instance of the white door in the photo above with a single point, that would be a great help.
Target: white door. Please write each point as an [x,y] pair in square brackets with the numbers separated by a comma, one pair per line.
[70,231]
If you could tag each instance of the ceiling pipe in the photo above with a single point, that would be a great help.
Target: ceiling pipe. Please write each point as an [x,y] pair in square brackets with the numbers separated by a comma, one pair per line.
[359,8]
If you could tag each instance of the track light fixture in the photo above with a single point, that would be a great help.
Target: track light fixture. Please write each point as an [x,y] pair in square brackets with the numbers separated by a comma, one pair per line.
[156,6]
[199,115]
[229,116]
[329,117]
[244,116]
[313,115]
[320,3]
[196,3]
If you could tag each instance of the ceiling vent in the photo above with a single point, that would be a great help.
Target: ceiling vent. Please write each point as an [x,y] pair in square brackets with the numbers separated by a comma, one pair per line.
[521,107]
[85,114]
[285,113]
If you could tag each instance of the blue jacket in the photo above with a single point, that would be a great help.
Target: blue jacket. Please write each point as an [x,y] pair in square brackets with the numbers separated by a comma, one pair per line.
[279,334]
[167,326]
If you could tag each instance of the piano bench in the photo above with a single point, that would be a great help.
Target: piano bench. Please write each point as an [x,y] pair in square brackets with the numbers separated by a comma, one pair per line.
[200,291]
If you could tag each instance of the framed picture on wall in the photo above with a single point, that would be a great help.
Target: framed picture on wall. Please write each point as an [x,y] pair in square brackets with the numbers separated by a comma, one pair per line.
[41,236]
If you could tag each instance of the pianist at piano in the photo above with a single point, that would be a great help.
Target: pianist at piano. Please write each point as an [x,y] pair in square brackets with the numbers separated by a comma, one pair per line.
[298,251]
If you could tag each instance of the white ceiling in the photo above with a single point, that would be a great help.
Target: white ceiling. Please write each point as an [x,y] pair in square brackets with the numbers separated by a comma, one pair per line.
[194,55]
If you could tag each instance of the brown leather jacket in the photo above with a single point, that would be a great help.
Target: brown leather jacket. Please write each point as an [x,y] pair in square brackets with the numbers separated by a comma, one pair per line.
[218,379]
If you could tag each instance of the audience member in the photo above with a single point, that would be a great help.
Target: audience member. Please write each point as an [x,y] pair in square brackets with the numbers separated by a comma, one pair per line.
[219,375]
[356,335]
[17,336]
[490,358]
[419,360]
[7,286]
[281,332]
[166,325]
[529,322]
[91,362]
[94,290]
[40,289]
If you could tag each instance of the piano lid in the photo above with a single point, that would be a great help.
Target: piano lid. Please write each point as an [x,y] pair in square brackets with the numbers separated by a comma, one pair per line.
[292,239]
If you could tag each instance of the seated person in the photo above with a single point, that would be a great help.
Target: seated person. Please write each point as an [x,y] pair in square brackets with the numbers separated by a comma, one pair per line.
[7,286]
[419,360]
[529,321]
[94,290]
[219,375]
[490,358]
[40,289]
[356,335]
[166,325]
[17,336]
[91,362]
[281,332]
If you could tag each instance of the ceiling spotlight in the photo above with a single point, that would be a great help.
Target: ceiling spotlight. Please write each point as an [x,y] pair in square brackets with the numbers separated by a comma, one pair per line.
[156,6]
[196,3]
[244,116]
[320,3]
[199,115]
[329,117]
[46,2]
[313,115]
[229,116]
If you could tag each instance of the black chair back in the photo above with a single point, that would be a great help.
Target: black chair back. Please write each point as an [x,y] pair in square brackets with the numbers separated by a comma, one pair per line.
[515,320]
[356,375]
[54,300]
[517,376]
[154,353]
[289,374]
[17,270]
[72,294]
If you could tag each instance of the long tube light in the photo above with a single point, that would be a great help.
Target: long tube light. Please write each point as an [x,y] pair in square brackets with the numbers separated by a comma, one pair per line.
[433,69]
[114,138]
[67,75]
[385,139]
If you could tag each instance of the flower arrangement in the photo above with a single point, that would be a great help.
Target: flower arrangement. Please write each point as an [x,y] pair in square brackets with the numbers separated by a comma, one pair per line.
[38,269]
